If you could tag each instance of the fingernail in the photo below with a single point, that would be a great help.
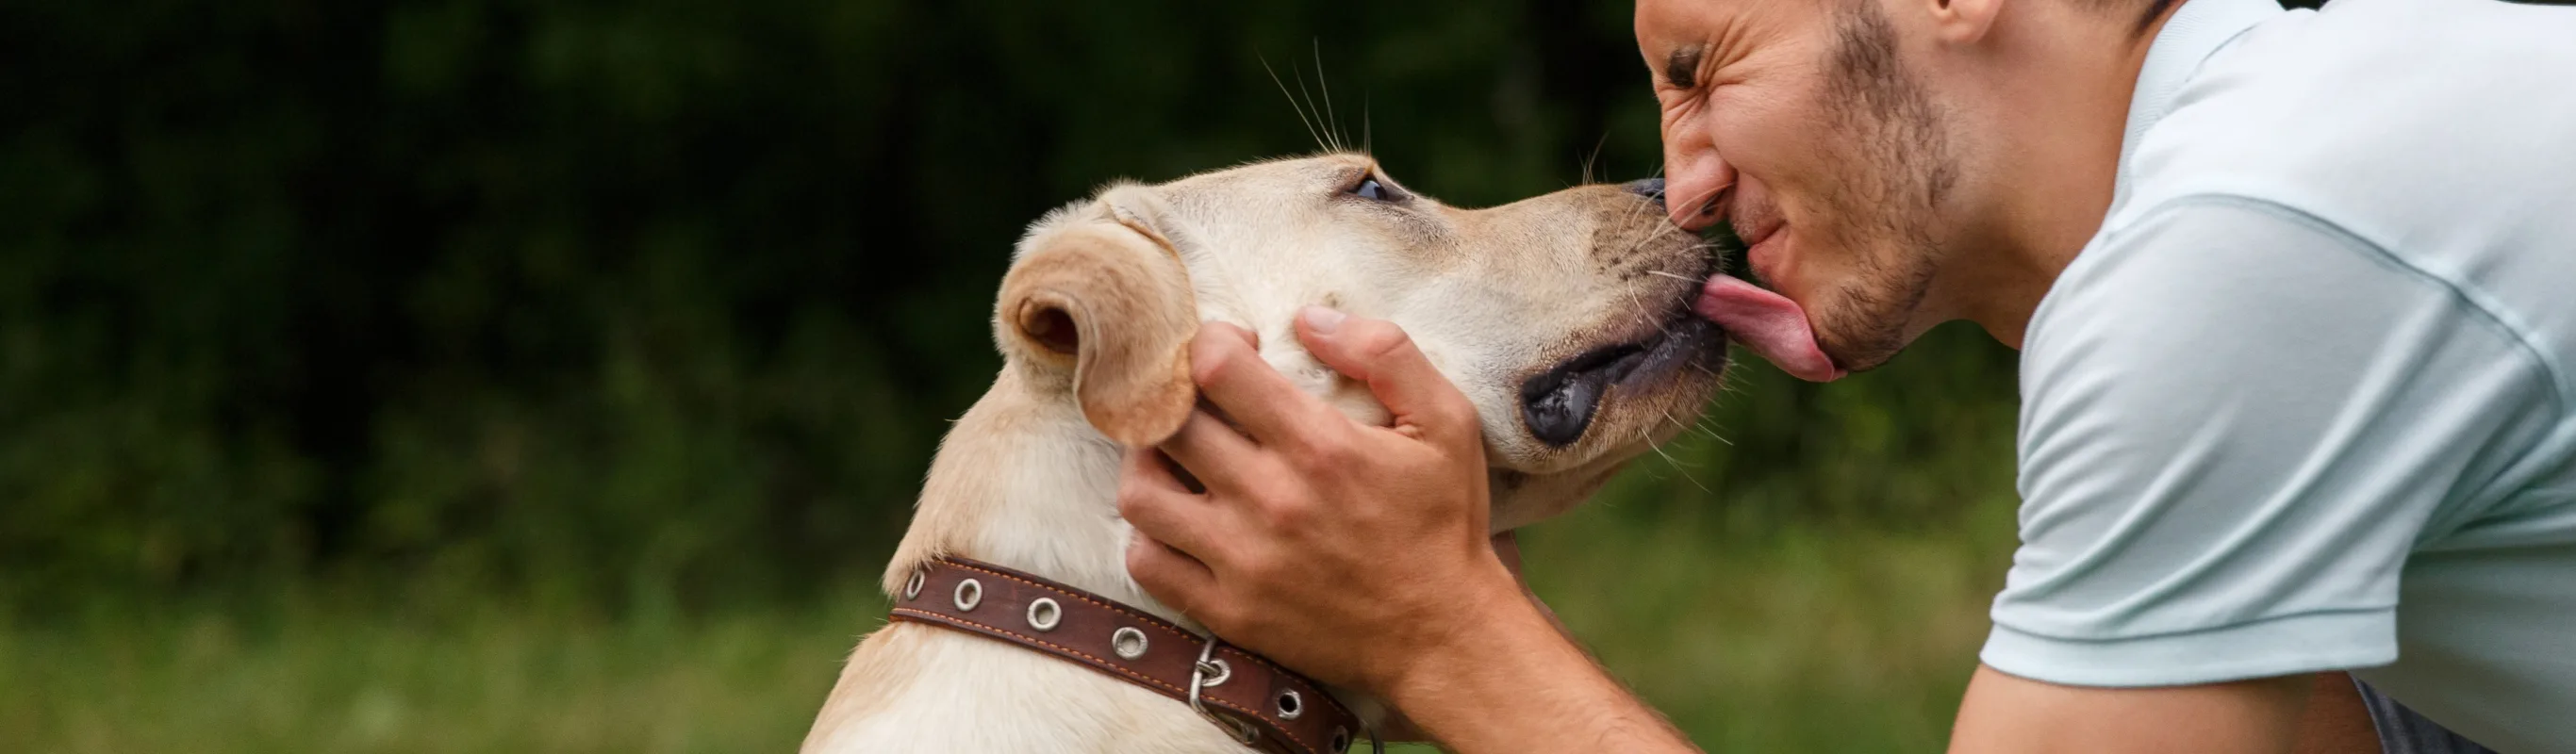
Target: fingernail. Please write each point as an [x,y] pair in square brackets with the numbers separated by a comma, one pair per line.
[1322,320]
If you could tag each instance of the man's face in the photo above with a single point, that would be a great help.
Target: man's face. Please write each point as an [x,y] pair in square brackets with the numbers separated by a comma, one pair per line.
[1797,122]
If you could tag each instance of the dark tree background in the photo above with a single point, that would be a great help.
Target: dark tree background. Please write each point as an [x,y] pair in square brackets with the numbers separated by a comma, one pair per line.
[607,299]
[668,300]
[556,375]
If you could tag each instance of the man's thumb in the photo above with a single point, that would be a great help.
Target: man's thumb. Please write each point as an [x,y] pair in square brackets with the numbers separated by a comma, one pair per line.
[1376,352]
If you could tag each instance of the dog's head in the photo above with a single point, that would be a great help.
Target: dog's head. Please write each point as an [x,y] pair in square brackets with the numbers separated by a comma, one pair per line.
[1565,317]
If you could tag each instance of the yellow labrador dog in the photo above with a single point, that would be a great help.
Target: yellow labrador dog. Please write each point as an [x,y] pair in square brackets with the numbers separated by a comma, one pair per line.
[1565,318]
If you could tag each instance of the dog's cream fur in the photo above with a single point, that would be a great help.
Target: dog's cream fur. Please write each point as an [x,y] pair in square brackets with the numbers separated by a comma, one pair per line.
[1094,321]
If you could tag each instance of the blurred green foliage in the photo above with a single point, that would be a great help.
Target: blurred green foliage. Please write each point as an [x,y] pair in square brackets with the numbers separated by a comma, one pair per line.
[621,302]
[669,301]
[466,375]
[1811,639]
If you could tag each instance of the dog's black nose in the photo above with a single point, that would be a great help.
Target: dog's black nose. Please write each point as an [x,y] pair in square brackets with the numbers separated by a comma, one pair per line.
[1651,188]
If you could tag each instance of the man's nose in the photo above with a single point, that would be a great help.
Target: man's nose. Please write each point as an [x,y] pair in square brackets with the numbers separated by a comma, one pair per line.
[1694,178]
[1651,188]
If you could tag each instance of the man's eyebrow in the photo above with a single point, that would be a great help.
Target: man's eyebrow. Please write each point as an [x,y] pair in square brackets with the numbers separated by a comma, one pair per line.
[1682,68]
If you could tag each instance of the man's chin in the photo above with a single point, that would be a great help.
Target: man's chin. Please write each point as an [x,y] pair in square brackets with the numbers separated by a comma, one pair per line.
[1849,361]
[1859,349]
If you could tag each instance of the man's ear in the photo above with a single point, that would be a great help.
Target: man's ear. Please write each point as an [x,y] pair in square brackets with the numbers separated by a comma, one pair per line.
[1106,297]
[1964,21]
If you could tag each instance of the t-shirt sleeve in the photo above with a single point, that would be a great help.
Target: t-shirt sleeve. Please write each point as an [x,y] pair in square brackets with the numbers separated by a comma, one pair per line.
[2237,422]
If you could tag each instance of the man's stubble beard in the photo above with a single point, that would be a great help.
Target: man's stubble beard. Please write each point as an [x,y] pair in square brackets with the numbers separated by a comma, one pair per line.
[1894,137]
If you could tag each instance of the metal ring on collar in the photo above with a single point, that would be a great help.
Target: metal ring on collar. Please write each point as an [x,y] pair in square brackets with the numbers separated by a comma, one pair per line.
[912,588]
[1216,672]
[1043,614]
[1242,731]
[969,594]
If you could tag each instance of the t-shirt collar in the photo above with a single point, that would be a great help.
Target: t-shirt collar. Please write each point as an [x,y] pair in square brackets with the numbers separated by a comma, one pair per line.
[2194,32]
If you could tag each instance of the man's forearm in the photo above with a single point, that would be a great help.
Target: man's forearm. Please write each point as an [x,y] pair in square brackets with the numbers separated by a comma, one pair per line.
[1516,684]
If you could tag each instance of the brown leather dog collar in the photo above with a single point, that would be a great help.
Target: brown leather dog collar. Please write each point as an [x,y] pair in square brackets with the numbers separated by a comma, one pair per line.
[1257,702]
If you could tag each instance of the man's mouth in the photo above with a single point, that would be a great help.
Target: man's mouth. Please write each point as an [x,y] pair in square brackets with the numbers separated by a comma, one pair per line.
[1761,319]
[1757,230]
[1770,324]
[1756,224]
[1558,405]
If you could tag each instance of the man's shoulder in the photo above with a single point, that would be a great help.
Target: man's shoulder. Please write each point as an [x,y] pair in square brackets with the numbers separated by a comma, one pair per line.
[2392,109]
[2212,290]
[2425,135]
[2196,272]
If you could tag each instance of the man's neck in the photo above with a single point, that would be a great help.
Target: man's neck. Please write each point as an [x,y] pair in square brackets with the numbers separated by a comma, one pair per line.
[2058,139]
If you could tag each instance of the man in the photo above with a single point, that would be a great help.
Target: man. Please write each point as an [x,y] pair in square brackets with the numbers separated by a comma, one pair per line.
[2296,296]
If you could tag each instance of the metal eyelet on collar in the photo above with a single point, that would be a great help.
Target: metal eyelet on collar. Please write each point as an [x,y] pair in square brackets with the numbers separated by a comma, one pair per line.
[1278,722]
[1127,642]
[1044,613]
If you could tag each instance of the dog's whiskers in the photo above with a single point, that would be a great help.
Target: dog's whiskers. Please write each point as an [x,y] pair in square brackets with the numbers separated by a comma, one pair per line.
[1333,122]
[1589,159]
[1678,467]
[1658,234]
[1676,421]
[1646,315]
[1704,426]
[1633,212]
[1292,104]
[1643,312]
[1330,141]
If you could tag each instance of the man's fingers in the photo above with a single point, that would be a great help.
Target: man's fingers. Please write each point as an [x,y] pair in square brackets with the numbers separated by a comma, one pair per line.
[1230,373]
[1141,471]
[1155,502]
[1376,352]
[1170,575]
[1211,451]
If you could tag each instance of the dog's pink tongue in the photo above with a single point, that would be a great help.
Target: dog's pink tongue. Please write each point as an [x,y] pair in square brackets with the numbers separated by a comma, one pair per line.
[1770,324]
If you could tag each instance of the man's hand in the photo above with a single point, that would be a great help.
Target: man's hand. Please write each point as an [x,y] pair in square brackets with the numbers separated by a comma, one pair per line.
[1359,555]
[1346,551]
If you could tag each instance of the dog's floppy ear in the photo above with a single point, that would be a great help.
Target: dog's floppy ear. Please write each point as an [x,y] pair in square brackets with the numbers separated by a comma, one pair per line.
[1105,296]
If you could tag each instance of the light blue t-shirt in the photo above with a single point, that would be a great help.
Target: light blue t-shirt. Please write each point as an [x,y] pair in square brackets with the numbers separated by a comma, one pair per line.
[2308,399]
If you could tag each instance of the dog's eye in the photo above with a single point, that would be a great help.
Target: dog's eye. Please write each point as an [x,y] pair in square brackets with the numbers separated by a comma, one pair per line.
[1370,188]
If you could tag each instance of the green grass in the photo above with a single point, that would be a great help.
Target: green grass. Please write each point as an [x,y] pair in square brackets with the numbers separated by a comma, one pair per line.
[324,677]
[1804,639]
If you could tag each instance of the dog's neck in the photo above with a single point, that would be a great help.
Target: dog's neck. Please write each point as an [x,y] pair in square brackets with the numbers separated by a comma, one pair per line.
[1024,481]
